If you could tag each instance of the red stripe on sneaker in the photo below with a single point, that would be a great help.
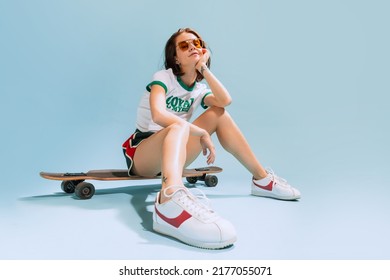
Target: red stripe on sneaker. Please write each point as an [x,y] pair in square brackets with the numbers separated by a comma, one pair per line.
[267,187]
[176,222]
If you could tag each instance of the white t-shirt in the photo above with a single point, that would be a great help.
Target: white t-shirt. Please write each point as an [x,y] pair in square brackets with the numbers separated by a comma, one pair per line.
[181,100]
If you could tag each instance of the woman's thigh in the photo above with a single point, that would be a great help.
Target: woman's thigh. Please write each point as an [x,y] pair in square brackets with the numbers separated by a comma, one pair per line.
[147,157]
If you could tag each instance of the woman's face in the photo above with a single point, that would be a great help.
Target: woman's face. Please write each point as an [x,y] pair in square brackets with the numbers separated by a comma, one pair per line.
[188,51]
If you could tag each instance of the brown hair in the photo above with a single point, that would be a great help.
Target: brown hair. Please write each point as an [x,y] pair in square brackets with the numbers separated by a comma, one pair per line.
[170,53]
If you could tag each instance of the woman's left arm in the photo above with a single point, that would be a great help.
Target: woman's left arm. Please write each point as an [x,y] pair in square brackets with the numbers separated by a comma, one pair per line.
[220,96]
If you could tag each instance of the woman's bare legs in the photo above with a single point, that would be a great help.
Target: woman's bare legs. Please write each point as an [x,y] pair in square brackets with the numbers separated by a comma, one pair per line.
[229,135]
[218,120]
[173,148]
[164,151]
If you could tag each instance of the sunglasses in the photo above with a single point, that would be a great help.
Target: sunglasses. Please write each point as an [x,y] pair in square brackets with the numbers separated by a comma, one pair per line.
[184,45]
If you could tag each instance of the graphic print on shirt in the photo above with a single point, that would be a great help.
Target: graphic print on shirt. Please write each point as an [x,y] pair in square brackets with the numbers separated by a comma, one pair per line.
[177,104]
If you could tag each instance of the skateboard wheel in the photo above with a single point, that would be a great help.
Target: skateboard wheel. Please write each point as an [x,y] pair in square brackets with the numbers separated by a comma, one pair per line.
[211,180]
[192,180]
[84,190]
[69,186]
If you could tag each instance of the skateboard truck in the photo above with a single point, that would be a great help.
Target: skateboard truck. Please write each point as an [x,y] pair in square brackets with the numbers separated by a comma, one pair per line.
[209,180]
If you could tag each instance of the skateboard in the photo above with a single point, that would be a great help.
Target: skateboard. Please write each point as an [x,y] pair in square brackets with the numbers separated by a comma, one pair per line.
[75,182]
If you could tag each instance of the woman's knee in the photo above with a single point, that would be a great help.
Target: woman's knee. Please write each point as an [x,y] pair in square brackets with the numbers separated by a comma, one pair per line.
[217,114]
[218,111]
[179,128]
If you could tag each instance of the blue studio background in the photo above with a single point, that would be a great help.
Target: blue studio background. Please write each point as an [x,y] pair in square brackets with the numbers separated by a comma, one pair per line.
[310,86]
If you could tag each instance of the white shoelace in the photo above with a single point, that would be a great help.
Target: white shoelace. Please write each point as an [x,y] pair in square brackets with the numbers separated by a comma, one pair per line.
[277,179]
[196,204]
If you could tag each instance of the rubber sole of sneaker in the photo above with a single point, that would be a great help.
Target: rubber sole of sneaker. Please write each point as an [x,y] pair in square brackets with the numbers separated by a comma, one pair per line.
[271,195]
[165,230]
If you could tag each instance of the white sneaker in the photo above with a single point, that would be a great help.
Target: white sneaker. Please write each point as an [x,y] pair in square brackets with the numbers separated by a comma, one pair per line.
[186,218]
[275,187]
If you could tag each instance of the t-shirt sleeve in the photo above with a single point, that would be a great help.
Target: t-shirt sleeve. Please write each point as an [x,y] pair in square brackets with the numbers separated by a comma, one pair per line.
[160,78]
[205,93]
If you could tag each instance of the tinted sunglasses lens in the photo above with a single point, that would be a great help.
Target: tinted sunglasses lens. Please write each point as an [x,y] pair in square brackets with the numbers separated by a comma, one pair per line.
[198,43]
[183,46]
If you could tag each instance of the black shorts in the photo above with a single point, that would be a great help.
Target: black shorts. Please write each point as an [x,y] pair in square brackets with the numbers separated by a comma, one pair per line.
[130,145]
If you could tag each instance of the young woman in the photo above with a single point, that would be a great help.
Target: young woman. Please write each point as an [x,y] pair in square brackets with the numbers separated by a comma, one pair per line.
[165,141]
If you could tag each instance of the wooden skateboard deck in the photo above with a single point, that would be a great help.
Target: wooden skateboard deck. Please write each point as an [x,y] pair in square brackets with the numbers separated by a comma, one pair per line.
[74,182]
